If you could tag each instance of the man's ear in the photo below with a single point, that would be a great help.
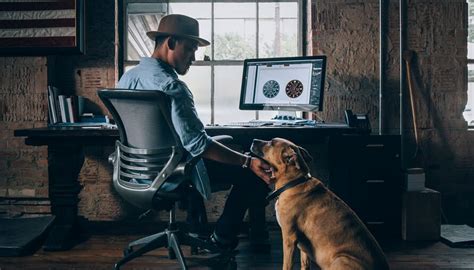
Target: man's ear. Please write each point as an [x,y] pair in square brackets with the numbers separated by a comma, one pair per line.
[171,42]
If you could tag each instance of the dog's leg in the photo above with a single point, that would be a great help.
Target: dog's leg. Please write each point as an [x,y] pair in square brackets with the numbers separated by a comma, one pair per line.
[305,261]
[347,263]
[289,245]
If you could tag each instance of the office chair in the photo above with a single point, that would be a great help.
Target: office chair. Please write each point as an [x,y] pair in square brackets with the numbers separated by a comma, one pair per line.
[149,156]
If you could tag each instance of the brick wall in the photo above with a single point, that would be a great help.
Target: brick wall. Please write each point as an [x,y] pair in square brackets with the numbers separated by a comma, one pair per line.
[23,169]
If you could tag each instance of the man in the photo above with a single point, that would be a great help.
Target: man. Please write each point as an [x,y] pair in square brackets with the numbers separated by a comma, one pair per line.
[176,41]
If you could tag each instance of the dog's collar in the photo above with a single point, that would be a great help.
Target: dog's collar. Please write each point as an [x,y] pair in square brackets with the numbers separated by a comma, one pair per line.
[288,185]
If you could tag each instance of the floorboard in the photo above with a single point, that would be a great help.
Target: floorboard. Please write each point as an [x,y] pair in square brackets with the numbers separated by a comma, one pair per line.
[101,251]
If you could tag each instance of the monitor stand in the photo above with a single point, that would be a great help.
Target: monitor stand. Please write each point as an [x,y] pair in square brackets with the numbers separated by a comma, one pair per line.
[288,118]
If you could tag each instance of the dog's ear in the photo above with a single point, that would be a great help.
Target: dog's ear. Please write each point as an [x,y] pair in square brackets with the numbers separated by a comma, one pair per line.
[305,154]
[290,157]
[293,156]
[300,158]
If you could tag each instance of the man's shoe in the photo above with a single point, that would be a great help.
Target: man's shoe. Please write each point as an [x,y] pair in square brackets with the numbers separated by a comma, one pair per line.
[220,244]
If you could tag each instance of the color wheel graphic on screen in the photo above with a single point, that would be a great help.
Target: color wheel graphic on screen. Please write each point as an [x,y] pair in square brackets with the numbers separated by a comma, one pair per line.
[294,89]
[271,89]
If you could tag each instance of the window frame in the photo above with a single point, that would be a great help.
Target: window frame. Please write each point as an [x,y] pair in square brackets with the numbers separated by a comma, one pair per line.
[122,54]
[469,61]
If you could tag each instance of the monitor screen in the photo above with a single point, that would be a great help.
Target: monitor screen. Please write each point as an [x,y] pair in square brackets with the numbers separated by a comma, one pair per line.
[285,84]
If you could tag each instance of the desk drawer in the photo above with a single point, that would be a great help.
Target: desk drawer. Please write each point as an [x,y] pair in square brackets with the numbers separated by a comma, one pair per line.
[365,172]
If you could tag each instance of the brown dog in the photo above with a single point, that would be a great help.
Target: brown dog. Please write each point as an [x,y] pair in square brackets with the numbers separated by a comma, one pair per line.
[313,218]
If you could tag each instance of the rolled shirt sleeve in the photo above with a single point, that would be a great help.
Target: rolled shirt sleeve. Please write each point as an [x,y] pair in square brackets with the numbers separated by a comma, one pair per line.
[185,119]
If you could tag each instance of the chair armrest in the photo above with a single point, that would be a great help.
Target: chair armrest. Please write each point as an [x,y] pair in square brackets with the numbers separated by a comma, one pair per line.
[112,157]
[184,168]
[223,138]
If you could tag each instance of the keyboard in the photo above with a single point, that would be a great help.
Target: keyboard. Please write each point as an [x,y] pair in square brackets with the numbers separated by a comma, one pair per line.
[253,123]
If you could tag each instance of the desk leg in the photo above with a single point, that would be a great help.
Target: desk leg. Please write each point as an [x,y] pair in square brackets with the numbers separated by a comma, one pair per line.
[64,164]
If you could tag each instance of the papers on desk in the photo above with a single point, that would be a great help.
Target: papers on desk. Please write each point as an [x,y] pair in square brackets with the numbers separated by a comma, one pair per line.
[89,120]
[87,125]
[109,126]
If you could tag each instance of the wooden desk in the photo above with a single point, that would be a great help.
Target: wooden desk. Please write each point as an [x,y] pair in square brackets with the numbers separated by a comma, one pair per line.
[66,157]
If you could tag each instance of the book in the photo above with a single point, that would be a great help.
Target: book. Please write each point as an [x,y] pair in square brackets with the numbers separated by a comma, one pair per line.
[53,106]
[80,105]
[63,108]
[70,110]
[53,118]
[86,124]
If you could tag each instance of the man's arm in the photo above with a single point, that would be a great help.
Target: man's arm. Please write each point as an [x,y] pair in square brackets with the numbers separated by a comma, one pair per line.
[221,153]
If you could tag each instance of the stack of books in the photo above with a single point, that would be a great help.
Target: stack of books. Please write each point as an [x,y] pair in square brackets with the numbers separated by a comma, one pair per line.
[69,111]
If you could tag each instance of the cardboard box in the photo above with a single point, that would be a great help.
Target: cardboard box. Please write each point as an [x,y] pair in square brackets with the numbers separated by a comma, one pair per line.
[421,215]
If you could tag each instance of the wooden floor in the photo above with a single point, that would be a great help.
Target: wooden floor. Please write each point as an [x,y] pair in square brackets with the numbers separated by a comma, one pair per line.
[102,251]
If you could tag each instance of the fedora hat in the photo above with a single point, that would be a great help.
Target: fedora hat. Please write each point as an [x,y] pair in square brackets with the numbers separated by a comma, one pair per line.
[180,26]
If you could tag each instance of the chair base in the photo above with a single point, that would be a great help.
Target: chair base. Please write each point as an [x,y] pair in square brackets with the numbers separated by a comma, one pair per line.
[171,238]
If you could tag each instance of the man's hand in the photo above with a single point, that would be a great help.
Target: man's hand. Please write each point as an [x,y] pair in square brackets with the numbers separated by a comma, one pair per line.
[261,169]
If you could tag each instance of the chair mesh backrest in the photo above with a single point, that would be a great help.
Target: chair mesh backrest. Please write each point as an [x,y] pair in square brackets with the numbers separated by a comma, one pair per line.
[149,148]
[143,119]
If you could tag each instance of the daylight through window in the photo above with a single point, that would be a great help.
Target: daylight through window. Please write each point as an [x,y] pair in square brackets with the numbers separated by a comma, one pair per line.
[468,113]
[237,30]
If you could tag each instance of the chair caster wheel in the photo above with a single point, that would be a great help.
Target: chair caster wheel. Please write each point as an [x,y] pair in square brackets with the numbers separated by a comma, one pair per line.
[171,254]
[116,267]
[127,251]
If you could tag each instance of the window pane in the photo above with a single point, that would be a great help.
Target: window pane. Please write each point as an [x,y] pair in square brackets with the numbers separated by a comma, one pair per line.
[235,31]
[278,28]
[198,80]
[227,95]
[470,27]
[202,13]
[141,18]
[468,113]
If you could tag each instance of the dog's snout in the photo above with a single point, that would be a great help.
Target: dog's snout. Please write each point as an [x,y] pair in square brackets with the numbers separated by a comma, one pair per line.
[256,147]
[258,142]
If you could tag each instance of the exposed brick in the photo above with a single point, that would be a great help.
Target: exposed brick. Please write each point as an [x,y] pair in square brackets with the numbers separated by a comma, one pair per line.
[8,154]
[25,192]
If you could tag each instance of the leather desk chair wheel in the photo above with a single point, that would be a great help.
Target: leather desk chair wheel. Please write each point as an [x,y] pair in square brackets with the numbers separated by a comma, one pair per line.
[148,157]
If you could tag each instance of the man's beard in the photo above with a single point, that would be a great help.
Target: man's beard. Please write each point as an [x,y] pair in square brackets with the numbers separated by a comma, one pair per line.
[184,71]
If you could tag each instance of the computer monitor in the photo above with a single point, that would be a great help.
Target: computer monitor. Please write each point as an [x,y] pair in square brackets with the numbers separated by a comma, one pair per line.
[283,84]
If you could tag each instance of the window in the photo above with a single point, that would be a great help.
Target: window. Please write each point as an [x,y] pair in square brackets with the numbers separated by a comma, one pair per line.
[232,26]
[469,109]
